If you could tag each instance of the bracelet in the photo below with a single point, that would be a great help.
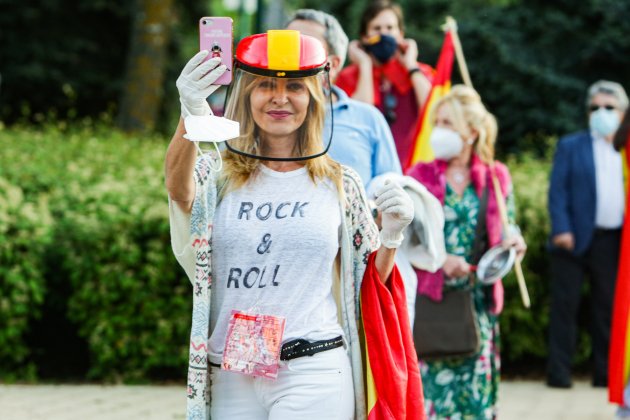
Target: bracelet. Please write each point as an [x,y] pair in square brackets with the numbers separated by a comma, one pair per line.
[410,72]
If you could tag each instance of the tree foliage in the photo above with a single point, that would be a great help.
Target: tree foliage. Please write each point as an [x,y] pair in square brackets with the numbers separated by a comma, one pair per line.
[146,65]
[535,78]
[68,58]
[62,55]
[531,61]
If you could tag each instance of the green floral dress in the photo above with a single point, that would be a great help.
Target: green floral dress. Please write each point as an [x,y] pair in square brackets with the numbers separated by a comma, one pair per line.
[458,389]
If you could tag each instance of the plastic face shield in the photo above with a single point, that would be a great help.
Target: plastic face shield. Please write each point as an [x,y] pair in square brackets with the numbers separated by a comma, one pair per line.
[283,118]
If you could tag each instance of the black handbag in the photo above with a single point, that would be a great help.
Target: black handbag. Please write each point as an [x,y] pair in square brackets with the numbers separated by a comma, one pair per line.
[449,328]
[446,329]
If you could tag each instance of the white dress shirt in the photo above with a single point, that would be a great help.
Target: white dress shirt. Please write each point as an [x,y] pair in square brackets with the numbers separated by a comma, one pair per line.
[609,186]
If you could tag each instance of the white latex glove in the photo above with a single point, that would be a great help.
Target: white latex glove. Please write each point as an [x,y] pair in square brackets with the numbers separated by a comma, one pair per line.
[195,84]
[397,210]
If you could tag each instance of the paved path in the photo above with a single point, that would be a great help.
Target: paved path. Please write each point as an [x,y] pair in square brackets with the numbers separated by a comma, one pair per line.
[523,400]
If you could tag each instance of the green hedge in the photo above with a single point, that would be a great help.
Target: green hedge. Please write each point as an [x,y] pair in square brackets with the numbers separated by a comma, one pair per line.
[84,232]
[24,234]
[524,331]
[108,249]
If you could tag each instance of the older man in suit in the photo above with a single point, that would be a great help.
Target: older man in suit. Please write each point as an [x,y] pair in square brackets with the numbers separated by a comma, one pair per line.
[586,206]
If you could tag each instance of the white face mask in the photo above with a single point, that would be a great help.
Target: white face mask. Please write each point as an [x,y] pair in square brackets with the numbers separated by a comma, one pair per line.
[604,121]
[446,143]
[209,128]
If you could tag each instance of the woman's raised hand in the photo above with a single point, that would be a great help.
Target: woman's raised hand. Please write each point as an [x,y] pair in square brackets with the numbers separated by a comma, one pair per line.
[195,83]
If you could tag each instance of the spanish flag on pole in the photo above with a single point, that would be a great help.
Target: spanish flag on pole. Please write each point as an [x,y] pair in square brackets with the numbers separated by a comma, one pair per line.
[441,85]
[394,386]
[619,357]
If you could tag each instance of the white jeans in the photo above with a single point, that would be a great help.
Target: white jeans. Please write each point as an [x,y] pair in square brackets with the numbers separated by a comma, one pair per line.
[410,280]
[307,388]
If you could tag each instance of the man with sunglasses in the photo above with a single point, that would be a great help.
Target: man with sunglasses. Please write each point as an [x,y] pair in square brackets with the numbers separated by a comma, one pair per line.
[586,207]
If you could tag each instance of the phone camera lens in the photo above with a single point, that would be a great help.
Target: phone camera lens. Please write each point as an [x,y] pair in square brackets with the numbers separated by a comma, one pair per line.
[204,22]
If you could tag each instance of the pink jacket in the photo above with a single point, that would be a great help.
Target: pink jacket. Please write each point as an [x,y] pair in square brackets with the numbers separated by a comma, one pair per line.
[433,176]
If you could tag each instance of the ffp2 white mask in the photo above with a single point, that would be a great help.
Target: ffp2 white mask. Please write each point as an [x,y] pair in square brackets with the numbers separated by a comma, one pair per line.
[445,143]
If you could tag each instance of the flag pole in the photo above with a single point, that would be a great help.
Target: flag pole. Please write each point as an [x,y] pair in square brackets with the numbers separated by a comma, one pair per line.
[451,25]
[518,269]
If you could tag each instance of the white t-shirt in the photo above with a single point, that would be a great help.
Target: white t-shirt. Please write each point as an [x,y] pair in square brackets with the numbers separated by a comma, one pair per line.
[610,202]
[274,243]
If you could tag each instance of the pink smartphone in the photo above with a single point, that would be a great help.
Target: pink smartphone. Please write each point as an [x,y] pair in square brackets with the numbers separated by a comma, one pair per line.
[215,35]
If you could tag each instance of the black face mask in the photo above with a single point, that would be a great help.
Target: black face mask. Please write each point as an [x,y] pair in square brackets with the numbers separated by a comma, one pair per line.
[383,49]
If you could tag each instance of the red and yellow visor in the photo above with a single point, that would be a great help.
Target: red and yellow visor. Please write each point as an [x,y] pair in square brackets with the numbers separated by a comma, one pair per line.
[281,96]
[281,53]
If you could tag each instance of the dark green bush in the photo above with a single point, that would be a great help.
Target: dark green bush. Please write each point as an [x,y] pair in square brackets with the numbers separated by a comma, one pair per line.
[110,245]
[24,234]
[130,300]
[524,331]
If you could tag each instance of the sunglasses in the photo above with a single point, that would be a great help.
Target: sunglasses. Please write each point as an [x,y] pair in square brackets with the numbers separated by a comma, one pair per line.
[389,105]
[594,108]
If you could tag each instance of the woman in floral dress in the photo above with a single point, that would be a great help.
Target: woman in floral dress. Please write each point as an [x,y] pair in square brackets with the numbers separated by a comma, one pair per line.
[463,143]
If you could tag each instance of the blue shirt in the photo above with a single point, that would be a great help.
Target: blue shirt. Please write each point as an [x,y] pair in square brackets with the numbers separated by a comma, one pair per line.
[362,139]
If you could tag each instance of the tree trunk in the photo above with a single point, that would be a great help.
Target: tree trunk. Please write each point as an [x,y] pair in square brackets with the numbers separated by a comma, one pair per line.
[144,79]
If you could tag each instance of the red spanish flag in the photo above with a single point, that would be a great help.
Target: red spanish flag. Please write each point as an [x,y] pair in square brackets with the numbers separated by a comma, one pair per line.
[421,151]
[394,387]
[619,357]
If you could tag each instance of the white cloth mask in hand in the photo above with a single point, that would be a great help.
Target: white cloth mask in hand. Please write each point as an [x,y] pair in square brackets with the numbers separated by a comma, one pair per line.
[446,143]
[210,128]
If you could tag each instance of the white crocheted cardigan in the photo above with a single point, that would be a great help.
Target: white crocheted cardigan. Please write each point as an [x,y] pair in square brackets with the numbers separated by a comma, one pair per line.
[191,241]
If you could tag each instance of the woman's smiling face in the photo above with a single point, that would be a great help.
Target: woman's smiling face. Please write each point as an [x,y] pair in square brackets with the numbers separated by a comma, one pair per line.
[279,106]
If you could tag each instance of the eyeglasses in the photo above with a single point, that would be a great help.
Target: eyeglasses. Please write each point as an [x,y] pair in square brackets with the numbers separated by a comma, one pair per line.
[593,108]
[389,107]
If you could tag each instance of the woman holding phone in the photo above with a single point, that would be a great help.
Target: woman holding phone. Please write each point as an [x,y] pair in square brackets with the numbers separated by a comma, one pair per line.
[281,234]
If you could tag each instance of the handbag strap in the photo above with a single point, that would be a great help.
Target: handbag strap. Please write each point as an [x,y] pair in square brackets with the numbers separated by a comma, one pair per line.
[481,234]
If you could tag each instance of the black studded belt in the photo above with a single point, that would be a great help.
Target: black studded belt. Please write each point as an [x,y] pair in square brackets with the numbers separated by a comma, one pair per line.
[299,348]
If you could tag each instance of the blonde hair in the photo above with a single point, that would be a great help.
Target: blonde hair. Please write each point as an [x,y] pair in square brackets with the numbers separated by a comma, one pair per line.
[469,113]
[238,169]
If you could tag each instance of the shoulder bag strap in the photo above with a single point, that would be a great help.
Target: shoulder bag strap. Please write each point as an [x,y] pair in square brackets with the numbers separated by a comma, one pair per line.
[481,234]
